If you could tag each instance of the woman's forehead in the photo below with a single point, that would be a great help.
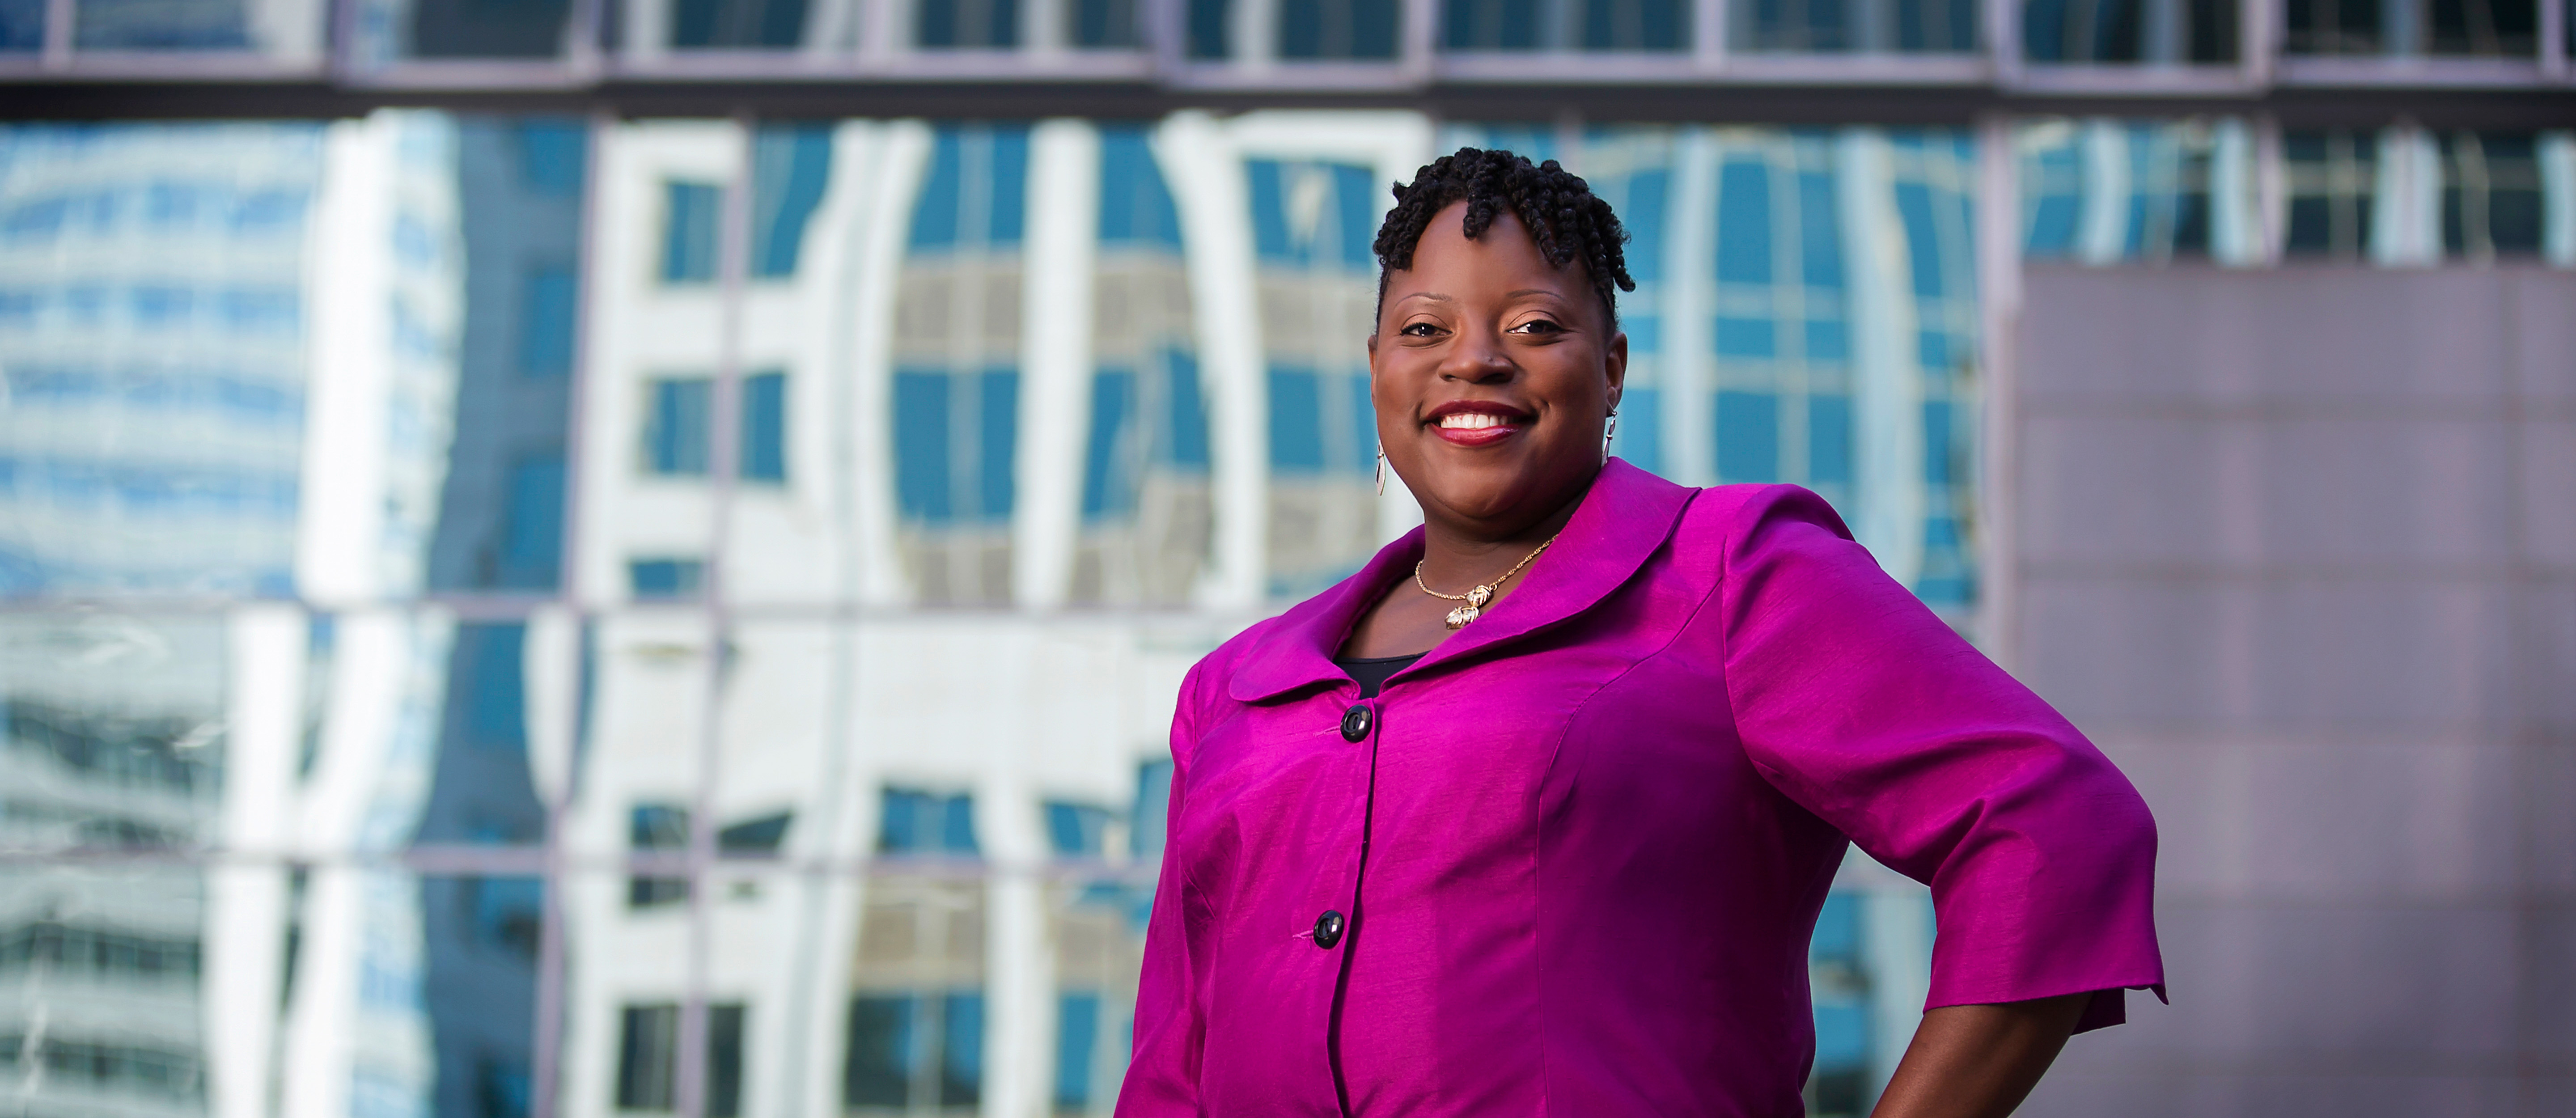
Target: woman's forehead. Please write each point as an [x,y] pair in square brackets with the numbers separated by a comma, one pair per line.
[1505,244]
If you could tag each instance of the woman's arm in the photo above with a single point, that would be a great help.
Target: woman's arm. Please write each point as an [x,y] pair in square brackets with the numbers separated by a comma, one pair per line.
[1978,1061]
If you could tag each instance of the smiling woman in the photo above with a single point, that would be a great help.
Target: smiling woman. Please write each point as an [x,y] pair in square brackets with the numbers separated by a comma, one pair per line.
[1562,848]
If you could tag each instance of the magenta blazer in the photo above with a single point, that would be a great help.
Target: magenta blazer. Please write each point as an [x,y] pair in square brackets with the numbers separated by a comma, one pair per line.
[1569,862]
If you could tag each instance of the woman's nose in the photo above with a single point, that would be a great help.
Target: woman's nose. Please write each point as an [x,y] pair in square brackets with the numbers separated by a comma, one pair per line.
[1477,357]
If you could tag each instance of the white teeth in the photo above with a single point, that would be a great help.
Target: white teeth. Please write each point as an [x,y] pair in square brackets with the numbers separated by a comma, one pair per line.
[1470,421]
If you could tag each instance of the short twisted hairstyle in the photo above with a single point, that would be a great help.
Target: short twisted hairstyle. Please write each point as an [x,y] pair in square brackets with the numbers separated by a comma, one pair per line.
[1568,222]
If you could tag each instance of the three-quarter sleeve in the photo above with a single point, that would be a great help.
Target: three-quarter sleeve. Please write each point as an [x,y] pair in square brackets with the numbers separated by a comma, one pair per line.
[1170,1032]
[1860,704]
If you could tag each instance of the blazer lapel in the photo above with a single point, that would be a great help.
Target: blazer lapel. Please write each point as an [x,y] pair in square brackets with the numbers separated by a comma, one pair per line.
[1626,515]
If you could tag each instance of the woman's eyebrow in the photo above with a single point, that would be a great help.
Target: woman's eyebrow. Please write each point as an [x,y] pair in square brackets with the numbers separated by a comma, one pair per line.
[1434,296]
[1533,291]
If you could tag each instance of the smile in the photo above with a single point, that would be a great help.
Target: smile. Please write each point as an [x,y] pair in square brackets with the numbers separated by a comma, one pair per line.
[1476,426]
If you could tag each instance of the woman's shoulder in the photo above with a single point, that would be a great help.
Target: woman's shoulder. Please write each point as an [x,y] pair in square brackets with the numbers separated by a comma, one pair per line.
[1731,520]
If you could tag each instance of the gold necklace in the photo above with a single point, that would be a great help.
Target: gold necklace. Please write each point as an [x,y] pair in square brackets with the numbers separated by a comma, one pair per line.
[1476,598]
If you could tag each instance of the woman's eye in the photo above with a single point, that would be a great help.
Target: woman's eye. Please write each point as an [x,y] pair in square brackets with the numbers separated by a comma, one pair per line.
[1538,326]
[1419,330]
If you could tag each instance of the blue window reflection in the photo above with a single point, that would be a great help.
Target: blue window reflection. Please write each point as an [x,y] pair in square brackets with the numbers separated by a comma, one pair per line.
[690,213]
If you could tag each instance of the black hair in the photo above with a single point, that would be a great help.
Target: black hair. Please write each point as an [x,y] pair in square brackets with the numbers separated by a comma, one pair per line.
[1567,221]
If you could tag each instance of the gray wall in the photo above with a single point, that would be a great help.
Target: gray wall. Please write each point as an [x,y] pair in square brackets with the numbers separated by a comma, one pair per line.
[2298,549]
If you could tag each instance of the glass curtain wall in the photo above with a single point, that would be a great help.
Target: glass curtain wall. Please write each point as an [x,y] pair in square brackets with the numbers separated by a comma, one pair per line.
[2157,191]
[520,616]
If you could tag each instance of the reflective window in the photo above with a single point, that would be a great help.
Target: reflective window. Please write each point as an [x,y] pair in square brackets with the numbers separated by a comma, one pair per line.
[2120,31]
[1337,29]
[305,523]
[737,24]
[987,24]
[2474,28]
[957,378]
[2104,191]
[2333,181]
[1312,224]
[1146,510]
[2491,194]
[22,26]
[1106,23]
[1860,26]
[1782,330]
[1601,25]
[485,29]
[691,212]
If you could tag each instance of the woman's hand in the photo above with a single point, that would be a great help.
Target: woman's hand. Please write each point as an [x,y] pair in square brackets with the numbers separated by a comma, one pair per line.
[1978,1061]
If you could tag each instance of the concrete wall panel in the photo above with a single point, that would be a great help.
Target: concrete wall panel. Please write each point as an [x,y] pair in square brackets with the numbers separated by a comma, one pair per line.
[2295,547]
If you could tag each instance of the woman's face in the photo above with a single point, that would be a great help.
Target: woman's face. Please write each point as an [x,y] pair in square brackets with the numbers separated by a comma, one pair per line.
[1492,372]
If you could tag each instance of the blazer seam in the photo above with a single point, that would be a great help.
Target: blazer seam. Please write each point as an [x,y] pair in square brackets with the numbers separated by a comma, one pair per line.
[1546,1080]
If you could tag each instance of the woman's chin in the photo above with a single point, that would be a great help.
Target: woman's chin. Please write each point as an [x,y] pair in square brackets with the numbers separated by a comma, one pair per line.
[1486,504]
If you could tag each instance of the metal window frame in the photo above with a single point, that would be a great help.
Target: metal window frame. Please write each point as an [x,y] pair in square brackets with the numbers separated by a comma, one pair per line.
[879,55]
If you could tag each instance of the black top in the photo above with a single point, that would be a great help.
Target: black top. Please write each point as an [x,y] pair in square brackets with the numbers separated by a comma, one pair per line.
[1372,671]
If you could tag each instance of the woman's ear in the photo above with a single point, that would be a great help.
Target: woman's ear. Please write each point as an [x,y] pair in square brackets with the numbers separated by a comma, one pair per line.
[1614,363]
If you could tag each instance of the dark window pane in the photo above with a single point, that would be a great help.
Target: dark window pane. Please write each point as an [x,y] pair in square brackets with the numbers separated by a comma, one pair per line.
[665,579]
[998,446]
[917,822]
[755,836]
[1642,25]
[1829,439]
[508,915]
[764,427]
[676,426]
[2482,28]
[1748,437]
[547,316]
[987,24]
[724,1060]
[551,155]
[657,827]
[1209,30]
[501,1088]
[22,25]
[961,1050]
[2332,175]
[1490,24]
[488,28]
[1108,482]
[883,1051]
[1076,1034]
[790,167]
[161,25]
[532,524]
[737,24]
[1105,23]
[1296,421]
[2202,31]
[689,231]
[1337,29]
[922,459]
[647,1057]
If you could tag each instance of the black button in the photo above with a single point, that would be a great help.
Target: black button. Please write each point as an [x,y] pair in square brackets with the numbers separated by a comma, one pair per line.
[1328,928]
[1355,722]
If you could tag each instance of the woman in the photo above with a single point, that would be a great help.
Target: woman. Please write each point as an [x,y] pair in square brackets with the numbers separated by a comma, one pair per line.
[1534,814]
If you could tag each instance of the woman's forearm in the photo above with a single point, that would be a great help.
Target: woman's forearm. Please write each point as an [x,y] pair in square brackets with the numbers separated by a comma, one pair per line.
[1978,1061]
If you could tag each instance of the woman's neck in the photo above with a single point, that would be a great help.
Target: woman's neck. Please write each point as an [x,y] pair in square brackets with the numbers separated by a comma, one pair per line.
[1458,553]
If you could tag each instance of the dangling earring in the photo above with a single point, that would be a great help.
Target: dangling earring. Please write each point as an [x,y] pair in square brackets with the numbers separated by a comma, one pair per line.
[1607,434]
[1381,469]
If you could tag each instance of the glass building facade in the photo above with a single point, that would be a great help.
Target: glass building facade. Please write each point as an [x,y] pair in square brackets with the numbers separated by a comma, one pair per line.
[526,615]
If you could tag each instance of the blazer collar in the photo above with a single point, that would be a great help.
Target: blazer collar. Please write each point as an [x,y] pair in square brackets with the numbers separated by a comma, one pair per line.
[1624,517]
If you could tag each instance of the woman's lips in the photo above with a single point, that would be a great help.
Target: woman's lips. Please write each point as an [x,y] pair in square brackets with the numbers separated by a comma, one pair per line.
[1476,428]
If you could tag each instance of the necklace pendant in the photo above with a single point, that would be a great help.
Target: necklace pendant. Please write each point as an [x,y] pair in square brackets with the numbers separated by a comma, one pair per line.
[1477,598]
[1459,617]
